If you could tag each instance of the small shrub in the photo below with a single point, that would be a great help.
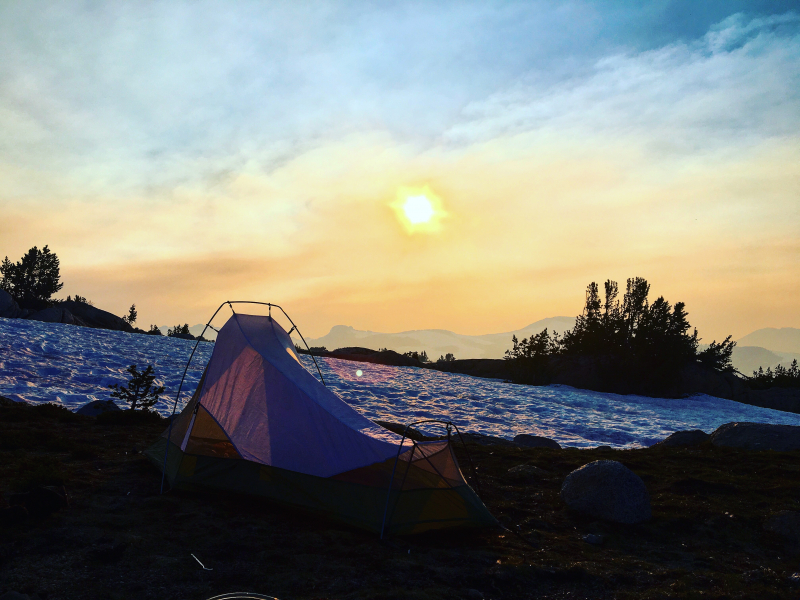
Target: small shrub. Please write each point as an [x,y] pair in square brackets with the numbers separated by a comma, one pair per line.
[154,330]
[140,389]
[449,357]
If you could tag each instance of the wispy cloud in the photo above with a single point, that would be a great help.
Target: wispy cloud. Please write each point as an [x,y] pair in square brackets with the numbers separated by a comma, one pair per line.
[176,153]
[739,83]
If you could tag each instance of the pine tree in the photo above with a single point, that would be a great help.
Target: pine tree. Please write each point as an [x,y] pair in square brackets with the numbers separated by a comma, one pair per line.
[132,315]
[34,278]
[140,390]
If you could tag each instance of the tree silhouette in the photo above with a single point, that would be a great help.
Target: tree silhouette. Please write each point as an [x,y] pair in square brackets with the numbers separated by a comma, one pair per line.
[132,315]
[35,278]
[140,390]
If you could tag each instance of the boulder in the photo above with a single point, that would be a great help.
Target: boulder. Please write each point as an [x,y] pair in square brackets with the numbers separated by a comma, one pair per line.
[97,407]
[757,436]
[536,441]
[55,314]
[9,309]
[607,489]
[96,318]
[692,437]
[786,524]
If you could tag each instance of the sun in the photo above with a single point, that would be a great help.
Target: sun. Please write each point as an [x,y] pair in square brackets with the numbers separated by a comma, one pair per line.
[419,210]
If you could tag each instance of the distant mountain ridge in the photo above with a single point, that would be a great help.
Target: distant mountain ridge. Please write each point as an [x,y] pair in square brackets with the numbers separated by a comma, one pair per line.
[765,347]
[784,339]
[437,342]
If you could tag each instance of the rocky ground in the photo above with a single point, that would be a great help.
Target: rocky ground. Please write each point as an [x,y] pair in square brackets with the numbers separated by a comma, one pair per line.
[95,526]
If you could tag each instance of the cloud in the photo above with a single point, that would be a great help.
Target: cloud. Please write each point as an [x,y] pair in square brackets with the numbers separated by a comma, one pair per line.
[739,83]
[177,154]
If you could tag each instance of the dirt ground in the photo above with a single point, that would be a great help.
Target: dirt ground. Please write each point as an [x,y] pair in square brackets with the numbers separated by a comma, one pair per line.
[118,538]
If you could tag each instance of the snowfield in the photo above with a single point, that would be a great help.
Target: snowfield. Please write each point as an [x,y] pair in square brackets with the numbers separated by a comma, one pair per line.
[68,365]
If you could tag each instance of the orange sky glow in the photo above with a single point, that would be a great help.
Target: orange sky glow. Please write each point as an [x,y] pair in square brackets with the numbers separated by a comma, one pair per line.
[536,189]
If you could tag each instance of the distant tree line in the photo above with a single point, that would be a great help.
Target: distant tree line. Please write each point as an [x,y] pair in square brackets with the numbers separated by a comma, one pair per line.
[33,280]
[780,377]
[642,343]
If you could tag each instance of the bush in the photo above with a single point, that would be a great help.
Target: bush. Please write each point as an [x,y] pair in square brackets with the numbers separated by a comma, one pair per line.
[420,356]
[154,330]
[81,300]
[34,279]
[531,358]
[449,357]
[140,389]
[178,330]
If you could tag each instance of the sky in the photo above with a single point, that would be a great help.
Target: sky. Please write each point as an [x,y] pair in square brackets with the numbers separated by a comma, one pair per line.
[179,154]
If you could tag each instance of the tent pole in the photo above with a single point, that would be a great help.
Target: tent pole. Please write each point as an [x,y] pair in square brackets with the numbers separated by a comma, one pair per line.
[391,481]
[178,395]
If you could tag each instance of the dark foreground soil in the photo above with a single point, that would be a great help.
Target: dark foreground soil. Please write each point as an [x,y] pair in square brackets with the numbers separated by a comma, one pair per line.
[119,538]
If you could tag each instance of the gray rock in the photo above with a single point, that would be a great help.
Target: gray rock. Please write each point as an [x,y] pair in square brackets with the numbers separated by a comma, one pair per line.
[94,317]
[608,490]
[54,314]
[757,436]
[693,437]
[594,539]
[97,407]
[527,440]
[527,472]
[786,524]
[9,308]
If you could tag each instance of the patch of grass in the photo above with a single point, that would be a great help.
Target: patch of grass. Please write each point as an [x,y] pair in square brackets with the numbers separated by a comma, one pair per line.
[131,417]
[53,412]
[35,471]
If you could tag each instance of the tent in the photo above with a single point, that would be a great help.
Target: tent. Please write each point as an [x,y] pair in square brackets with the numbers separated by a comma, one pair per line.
[260,423]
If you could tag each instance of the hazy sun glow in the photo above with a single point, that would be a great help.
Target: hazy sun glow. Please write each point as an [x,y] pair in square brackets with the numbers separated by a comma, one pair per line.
[418,209]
